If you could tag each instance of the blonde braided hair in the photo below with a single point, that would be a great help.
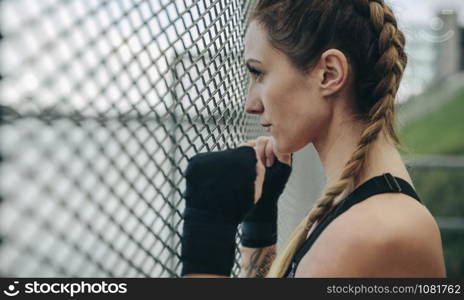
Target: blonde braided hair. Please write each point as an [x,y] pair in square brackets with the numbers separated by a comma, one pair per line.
[386,58]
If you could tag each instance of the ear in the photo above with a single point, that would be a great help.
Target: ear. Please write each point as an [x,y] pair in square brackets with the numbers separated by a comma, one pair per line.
[333,72]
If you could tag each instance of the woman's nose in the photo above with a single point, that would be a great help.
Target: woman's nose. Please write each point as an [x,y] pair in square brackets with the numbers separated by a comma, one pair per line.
[253,106]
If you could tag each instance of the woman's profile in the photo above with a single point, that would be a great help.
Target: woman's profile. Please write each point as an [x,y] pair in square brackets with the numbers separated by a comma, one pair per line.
[323,72]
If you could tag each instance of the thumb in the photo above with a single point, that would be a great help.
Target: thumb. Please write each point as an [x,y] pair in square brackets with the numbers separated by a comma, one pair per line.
[285,158]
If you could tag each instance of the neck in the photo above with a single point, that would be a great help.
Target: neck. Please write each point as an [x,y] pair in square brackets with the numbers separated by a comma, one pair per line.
[336,146]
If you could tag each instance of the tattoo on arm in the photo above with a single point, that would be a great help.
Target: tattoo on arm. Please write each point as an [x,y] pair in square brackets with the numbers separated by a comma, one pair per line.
[257,261]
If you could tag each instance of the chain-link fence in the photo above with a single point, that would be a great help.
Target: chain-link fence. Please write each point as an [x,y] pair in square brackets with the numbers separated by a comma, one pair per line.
[101,104]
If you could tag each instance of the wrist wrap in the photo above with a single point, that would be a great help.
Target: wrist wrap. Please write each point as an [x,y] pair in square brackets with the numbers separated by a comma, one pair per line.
[219,193]
[259,228]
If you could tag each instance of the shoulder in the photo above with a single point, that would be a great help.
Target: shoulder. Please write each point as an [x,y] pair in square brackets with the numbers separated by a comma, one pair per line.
[387,235]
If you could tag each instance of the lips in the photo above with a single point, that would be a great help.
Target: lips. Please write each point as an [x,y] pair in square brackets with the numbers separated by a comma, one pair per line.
[267,126]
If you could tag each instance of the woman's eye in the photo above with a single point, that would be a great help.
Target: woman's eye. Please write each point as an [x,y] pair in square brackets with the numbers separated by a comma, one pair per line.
[255,72]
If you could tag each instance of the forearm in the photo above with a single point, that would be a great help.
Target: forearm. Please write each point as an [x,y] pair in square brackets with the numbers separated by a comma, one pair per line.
[210,227]
[259,228]
[256,262]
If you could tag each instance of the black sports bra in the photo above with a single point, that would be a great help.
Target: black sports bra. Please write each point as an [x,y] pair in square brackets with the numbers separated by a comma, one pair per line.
[385,183]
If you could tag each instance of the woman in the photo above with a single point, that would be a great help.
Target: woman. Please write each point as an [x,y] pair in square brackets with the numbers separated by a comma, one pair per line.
[324,72]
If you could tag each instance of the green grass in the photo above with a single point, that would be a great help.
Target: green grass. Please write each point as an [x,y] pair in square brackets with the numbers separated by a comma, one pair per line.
[441,132]
[453,241]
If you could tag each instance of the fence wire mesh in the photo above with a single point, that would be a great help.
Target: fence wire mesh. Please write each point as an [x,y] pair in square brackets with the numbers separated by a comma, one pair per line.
[101,104]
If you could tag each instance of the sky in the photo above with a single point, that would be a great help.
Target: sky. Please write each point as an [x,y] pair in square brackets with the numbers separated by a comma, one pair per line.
[422,11]
[418,21]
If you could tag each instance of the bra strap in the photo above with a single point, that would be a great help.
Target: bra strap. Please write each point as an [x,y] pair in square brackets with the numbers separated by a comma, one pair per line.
[385,183]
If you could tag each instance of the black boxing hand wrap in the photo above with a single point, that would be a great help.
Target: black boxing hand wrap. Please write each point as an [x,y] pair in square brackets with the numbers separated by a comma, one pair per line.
[219,193]
[259,228]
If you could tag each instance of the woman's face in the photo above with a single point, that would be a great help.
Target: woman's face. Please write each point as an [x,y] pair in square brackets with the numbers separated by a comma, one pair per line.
[285,97]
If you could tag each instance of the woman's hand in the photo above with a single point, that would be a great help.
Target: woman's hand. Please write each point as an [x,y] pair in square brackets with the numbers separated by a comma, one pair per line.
[259,227]
[266,154]
[219,195]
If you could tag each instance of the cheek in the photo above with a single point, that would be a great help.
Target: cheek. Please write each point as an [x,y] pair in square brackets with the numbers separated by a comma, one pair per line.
[317,116]
[301,117]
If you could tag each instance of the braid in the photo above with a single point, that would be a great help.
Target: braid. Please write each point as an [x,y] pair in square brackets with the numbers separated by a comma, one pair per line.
[388,60]
[389,67]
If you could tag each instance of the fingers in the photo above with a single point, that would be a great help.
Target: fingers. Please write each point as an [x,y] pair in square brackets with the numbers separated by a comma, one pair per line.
[265,148]
[248,143]
[285,158]
[260,173]
[266,152]
[269,152]
[261,145]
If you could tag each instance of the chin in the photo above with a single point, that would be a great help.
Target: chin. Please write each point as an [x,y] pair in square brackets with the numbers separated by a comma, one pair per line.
[283,146]
[287,146]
